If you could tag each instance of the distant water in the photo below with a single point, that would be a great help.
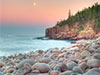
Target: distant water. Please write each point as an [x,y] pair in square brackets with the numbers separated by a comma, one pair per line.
[14,40]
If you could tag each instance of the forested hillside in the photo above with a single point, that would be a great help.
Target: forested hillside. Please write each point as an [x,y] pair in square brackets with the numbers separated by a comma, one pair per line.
[83,16]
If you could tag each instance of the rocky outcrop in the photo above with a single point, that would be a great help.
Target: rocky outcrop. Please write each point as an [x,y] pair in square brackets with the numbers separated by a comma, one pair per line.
[64,32]
[72,32]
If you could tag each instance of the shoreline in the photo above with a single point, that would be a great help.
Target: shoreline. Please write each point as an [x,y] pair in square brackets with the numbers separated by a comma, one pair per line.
[77,59]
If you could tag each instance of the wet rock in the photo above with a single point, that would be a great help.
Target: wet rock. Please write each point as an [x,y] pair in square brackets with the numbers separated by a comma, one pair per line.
[85,54]
[62,66]
[70,65]
[19,72]
[30,61]
[77,69]
[42,67]
[83,65]
[93,63]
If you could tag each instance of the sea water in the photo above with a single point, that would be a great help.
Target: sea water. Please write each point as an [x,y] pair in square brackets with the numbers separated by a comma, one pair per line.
[20,39]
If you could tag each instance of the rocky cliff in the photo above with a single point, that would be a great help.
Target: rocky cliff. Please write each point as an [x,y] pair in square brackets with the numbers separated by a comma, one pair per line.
[77,26]
[71,33]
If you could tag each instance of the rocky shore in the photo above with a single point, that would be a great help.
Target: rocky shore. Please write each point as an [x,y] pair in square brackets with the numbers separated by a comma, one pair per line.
[72,33]
[82,58]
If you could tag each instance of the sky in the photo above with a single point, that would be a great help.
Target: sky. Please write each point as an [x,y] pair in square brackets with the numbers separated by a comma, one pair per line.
[44,12]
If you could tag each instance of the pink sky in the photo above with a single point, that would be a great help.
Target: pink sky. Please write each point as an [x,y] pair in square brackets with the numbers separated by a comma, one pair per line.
[46,12]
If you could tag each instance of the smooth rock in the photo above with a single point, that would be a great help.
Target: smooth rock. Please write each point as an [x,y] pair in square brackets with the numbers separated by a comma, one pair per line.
[42,67]
[85,54]
[30,61]
[44,60]
[62,66]
[70,65]
[83,65]
[95,63]
[91,73]
[78,55]
[77,69]
[27,68]
[9,69]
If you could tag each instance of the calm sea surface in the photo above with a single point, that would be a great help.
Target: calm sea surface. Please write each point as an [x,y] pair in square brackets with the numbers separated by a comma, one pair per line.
[14,40]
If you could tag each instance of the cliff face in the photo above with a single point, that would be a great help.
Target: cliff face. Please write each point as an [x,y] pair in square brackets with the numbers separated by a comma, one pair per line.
[72,33]
[64,32]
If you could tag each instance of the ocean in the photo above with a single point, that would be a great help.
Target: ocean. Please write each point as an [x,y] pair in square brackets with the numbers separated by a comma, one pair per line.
[20,39]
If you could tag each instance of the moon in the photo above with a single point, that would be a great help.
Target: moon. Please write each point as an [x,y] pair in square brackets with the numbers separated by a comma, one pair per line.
[34,3]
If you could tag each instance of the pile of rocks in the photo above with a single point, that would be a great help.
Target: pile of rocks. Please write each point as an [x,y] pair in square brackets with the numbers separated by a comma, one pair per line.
[82,58]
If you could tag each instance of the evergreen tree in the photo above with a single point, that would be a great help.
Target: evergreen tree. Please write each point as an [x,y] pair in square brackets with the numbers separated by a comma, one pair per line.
[69,14]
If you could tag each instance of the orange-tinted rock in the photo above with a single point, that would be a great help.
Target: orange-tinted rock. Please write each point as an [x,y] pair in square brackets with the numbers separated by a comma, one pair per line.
[40,52]
[61,55]
[54,73]
[42,67]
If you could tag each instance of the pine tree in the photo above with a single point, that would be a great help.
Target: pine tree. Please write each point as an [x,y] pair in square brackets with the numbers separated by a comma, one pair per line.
[69,14]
